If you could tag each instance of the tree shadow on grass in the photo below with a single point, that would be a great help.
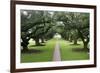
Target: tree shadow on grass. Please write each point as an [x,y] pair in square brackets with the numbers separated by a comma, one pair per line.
[37,45]
[80,50]
[30,51]
[74,44]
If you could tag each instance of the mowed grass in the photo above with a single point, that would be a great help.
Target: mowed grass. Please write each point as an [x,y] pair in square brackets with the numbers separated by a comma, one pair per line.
[68,51]
[45,52]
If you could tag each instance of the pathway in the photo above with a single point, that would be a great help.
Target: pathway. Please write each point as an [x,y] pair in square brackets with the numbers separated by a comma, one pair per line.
[56,55]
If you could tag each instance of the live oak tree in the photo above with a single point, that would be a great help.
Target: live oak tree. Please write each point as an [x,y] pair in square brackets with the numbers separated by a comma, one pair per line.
[80,22]
[29,19]
[82,27]
[78,25]
[34,24]
[45,24]
[43,28]
[24,33]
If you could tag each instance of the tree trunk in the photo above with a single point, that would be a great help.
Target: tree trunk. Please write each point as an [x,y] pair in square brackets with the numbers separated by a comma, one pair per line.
[70,39]
[85,42]
[24,44]
[25,48]
[37,43]
[85,45]
[42,40]
[75,41]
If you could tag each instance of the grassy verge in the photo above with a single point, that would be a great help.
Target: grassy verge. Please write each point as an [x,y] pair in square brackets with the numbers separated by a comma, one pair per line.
[72,52]
[42,54]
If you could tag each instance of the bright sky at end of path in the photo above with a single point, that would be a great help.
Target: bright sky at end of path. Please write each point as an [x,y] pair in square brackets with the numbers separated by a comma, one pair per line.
[57,35]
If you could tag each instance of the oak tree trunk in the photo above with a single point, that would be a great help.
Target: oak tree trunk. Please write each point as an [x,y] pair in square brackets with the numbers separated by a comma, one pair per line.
[75,41]
[85,45]
[24,43]
[37,43]
[42,40]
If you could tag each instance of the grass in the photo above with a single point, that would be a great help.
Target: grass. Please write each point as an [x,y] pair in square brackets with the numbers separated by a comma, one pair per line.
[45,54]
[68,51]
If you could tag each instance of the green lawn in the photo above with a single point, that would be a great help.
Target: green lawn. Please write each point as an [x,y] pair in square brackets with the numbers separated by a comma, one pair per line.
[45,52]
[69,51]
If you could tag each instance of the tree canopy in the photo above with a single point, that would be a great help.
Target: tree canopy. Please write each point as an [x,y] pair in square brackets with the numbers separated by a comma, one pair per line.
[44,25]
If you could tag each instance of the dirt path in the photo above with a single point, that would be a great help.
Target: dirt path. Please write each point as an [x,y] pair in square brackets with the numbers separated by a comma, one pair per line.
[56,55]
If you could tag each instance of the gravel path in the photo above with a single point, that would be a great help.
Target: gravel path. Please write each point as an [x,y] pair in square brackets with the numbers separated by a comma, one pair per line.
[56,55]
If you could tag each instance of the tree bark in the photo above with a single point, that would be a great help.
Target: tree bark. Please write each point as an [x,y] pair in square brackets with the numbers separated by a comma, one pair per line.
[75,41]
[85,45]
[70,39]
[85,42]
[25,48]
[24,43]
[37,43]
[42,39]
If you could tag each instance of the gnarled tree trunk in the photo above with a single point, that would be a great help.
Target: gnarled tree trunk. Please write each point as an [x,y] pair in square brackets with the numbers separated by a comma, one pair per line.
[42,39]
[24,44]
[75,41]
[70,39]
[37,43]
[85,45]
[85,40]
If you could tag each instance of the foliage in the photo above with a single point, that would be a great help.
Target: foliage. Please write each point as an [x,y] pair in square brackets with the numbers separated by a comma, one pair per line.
[44,24]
